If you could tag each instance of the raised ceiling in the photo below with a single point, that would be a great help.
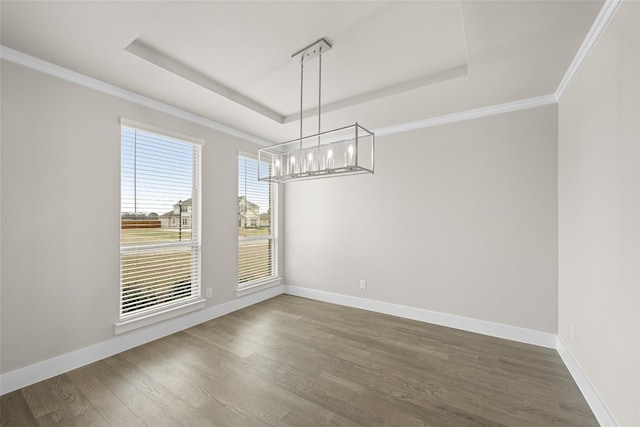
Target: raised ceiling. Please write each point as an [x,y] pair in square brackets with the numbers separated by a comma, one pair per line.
[230,62]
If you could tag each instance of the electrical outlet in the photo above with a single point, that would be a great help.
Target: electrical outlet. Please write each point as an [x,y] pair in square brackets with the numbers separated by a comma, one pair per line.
[363,284]
[209,293]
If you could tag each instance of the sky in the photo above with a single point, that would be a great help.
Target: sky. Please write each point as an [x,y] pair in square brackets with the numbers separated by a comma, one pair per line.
[157,172]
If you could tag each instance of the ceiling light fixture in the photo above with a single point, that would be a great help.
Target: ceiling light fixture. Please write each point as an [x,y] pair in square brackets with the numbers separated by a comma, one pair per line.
[349,150]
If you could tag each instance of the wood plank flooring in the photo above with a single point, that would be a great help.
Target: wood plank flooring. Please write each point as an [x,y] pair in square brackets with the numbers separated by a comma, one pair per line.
[291,361]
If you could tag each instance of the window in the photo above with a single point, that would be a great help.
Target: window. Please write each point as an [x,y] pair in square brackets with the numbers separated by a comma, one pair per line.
[159,259]
[257,243]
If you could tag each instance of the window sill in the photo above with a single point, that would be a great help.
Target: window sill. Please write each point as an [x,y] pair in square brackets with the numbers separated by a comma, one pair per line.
[259,286]
[139,322]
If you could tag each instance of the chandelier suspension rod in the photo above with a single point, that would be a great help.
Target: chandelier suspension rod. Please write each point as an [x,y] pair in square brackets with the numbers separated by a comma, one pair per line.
[301,89]
[319,90]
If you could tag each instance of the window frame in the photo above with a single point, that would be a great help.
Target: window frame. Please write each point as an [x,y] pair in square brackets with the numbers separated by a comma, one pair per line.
[274,279]
[153,314]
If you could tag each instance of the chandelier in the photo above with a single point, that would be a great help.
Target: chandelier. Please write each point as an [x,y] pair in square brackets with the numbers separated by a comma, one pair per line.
[348,150]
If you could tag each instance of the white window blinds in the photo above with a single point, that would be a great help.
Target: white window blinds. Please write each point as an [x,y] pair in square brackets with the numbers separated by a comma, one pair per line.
[159,222]
[257,247]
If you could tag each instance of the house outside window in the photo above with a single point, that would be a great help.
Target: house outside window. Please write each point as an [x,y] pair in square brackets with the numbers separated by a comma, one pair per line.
[257,220]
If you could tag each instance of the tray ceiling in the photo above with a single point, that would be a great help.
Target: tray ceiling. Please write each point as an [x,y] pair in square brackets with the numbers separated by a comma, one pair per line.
[391,62]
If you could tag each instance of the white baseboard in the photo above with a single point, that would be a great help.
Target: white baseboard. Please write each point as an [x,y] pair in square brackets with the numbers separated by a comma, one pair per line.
[40,371]
[513,333]
[597,405]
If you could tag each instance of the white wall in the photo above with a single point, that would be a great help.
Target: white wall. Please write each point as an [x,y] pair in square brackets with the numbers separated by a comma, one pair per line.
[599,216]
[60,213]
[459,218]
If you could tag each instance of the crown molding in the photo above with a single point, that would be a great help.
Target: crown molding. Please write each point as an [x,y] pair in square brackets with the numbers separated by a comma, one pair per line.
[607,12]
[32,62]
[490,110]
[602,20]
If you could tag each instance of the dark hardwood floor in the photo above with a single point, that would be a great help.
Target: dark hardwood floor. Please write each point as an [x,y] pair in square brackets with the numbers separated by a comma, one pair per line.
[291,361]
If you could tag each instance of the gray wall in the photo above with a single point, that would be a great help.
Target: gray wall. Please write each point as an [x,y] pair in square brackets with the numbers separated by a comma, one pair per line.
[60,213]
[460,219]
[599,216]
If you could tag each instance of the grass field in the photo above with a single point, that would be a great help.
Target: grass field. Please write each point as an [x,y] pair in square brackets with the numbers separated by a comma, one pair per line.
[139,236]
[164,275]
[252,232]
[254,256]
[154,277]
[254,260]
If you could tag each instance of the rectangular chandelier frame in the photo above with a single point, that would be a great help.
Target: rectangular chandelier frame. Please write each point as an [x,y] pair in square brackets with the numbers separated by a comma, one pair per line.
[349,150]
[344,151]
